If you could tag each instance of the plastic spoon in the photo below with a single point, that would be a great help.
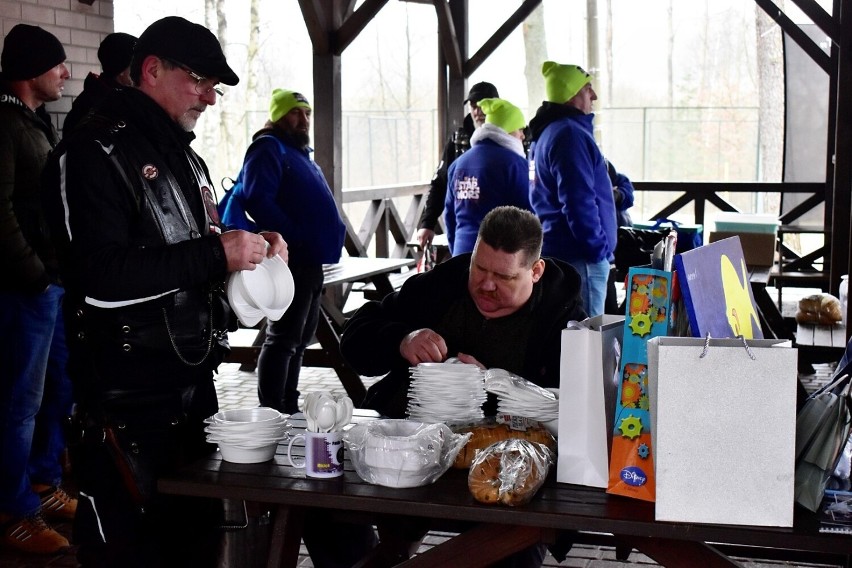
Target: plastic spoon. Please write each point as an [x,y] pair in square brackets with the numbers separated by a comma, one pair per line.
[343,410]
[313,402]
[326,417]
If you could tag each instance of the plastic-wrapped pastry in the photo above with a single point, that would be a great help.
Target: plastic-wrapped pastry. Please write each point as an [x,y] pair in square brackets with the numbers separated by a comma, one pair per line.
[819,309]
[509,472]
[490,432]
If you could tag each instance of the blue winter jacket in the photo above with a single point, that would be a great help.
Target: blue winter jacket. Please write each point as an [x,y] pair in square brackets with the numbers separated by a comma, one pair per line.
[571,192]
[486,176]
[283,190]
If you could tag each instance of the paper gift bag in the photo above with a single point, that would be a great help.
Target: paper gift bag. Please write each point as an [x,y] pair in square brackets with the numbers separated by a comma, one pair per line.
[631,465]
[724,436]
[588,385]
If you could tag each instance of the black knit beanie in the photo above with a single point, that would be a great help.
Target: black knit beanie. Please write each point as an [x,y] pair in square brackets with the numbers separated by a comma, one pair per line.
[29,51]
[115,52]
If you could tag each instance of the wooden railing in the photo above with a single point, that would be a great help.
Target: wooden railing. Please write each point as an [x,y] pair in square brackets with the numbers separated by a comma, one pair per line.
[384,226]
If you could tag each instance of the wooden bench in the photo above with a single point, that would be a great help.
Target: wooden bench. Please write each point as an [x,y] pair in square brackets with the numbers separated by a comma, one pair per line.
[396,280]
[831,336]
[819,344]
[326,351]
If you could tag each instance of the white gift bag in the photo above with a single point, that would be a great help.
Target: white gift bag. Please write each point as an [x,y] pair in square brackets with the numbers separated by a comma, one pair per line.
[724,429]
[588,387]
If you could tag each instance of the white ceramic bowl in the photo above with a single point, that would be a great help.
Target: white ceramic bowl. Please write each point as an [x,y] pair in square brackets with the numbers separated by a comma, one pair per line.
[269,287]
[240,454]
[390,477]
[250,437]
[402,453]
[248,314]
[254,415]
[398,446]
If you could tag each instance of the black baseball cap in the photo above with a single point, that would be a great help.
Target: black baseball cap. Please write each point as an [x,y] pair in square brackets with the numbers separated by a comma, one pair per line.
[481,91]
[189,44]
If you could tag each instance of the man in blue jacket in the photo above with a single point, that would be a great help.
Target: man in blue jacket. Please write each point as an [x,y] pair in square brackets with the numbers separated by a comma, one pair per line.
[493,172]
[571,192]
[284,190]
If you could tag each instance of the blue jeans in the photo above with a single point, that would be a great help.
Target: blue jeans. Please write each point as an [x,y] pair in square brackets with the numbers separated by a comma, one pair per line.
[35,396]
[594,277]
[280,360]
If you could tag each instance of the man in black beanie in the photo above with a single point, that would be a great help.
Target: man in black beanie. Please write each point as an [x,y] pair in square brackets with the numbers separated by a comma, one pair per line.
[35,396]
[114,54]
[457,145]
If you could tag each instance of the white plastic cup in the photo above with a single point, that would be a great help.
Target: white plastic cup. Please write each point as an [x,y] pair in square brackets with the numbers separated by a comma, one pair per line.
[323,454]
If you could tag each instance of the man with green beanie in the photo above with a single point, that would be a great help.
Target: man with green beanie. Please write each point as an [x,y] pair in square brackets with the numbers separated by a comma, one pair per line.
[571,191]
[493,172]
[35,397]
[283,189]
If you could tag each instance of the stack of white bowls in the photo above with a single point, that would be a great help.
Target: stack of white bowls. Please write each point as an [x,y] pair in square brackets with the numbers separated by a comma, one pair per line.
[265,292]
[247,435]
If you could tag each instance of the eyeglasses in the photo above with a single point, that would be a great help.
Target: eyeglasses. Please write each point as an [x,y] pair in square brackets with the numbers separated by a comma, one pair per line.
[203,85]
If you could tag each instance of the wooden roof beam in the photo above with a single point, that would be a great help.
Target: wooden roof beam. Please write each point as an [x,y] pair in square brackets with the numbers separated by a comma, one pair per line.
[796,34]
[488,48]
[317,24]
[449,40]
[821,18]
[355,24]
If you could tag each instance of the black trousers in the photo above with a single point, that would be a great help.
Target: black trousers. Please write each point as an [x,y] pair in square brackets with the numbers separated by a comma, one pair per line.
[123,447]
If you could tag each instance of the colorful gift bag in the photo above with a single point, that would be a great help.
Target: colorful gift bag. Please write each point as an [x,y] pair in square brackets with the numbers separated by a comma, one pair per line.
[631,467]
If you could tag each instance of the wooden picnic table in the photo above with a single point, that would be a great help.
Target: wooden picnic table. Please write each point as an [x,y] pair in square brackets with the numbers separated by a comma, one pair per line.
[497,531]
[376,271]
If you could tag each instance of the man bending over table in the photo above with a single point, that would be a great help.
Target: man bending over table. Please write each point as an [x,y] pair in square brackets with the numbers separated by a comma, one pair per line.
[502,306]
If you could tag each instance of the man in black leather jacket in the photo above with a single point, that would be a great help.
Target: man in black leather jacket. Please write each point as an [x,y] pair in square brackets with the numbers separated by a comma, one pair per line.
[457,145]
[144,261]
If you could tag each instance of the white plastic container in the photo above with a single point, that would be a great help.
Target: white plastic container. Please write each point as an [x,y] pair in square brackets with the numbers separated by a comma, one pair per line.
[844,296]
[746,223]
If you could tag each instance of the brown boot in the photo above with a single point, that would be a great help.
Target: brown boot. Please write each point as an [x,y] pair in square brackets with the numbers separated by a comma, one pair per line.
[56,503]
[32,534]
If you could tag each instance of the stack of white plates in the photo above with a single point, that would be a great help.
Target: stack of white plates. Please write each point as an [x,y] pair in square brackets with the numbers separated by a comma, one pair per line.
[446,392]
[265,292]
[519,397]
[247,435]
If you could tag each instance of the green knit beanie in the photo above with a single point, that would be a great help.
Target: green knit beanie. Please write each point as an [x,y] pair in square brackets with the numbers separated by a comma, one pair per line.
[502,113]
[285,101]
[562,82]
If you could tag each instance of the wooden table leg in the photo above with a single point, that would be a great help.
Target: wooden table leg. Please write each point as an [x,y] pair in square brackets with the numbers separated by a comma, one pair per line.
[329,338]
[480,546]
[680,553]
[286,537]
[769,314]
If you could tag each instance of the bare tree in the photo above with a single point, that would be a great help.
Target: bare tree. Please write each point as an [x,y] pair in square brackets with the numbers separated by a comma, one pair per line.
[252,56]
[770,68]
[592,39]
[535,49]
[670,54]
[608,49]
